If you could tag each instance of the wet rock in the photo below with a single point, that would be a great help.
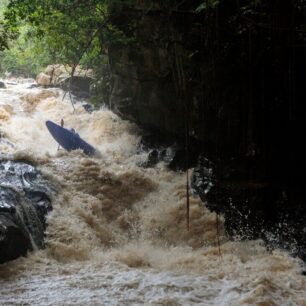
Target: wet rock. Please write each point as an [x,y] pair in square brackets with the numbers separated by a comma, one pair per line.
[169,150]
[152,160]
[77,85]
[33,86]
[253,208]
[24,204]
[250,123]
[13,240]
[155,146]
[203,177]
[60,76]
[2,85]
[43,79]
[88,107]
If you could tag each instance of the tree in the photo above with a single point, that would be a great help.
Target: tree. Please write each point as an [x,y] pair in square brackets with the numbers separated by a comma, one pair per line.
[71,29]
[5,35]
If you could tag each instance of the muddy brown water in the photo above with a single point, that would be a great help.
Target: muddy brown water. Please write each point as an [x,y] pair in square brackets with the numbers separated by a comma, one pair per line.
[117,234]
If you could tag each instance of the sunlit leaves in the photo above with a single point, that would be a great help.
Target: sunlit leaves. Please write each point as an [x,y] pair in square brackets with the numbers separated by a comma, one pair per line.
[68,26]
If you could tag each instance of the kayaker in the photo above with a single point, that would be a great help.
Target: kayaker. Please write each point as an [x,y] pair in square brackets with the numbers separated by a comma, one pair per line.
[62,125]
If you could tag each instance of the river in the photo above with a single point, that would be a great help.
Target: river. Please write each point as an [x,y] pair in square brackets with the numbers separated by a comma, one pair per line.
[117,233]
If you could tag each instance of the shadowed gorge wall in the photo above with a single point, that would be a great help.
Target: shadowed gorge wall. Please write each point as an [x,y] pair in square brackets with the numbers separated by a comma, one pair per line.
[238,71]
[234,71]
[238,68]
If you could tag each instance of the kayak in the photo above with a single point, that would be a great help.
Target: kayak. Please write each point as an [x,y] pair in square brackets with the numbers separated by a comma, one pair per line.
[69,139]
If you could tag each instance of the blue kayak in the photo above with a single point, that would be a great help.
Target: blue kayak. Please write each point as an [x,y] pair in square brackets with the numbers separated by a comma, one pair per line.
[68,139]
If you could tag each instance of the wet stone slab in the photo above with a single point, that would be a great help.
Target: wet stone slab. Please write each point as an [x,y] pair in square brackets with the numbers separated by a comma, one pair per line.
[25,200]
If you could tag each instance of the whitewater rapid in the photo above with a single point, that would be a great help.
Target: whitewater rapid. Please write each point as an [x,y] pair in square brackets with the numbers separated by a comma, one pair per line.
[117,234]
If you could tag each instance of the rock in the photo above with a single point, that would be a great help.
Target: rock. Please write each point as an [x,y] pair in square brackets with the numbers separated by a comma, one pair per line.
[13,240]
[33,86]
[203,177]
[24,203]
[234,109]
[252,208]
[88,107]
[78,85]
[248,119]
[156,147]
[2,85]
[169,150]
[60,76]
[43,79]
[152,159]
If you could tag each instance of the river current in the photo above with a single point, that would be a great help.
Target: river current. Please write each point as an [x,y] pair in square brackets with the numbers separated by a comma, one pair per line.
[117,233]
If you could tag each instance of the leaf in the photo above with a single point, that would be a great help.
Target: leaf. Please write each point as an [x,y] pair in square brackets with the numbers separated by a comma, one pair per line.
[201,8]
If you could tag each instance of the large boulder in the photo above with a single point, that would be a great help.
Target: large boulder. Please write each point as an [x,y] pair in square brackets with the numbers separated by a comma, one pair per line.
[24,203]
[78,85]
[61,76]
[43,79]
[2,85]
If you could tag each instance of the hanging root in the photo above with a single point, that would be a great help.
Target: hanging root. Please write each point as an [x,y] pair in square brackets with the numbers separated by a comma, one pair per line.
[218,236]
[187,202]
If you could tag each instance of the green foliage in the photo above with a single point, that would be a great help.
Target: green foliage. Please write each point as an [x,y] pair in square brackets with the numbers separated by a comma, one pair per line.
[72,28]
[69,32]
[5,35]
[27,56]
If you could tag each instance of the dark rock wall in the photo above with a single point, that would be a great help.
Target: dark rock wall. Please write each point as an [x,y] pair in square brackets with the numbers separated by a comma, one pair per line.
[143,88]
[24,204]
[235,73]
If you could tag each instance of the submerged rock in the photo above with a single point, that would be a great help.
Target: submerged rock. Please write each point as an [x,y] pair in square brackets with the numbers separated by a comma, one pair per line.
[2,85]
[24,204]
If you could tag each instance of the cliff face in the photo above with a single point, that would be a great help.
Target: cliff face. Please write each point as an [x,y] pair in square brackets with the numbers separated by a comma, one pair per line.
[144,88]
[233,74]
